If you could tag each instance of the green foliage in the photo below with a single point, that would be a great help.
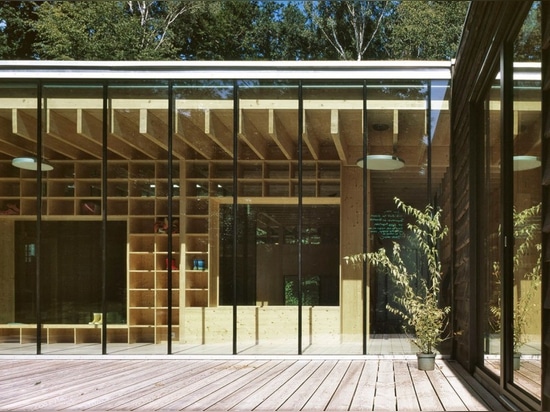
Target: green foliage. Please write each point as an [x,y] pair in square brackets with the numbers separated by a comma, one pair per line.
[17,35]
[107,30]
[526,245]
[418,296]
[426,30]
[230,30]
[528,44]
[352,29]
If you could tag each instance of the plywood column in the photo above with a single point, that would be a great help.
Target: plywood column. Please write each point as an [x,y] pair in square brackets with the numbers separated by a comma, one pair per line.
[7,271]
[351,242]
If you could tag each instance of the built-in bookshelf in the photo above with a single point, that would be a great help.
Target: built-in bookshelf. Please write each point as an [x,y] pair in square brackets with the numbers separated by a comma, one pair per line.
[137,192]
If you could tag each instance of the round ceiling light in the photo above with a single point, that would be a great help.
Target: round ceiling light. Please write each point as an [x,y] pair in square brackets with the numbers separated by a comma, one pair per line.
[381,162]
[526,163]
[31,163]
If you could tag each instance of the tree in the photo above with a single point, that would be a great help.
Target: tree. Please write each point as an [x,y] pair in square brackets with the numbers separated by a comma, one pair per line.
[230,30]
[110,30]
[17,35]
[426,30]
[351,27]
[218,31]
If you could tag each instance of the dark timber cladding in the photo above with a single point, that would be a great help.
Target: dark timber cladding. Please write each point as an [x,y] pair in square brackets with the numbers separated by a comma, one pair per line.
[487,26]
[545,381]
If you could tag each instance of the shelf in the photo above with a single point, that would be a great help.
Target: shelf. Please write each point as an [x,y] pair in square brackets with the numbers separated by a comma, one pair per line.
[196,298]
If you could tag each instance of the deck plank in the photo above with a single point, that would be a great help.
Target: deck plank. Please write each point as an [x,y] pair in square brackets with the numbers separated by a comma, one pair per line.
[198,382]
[469,397]
[154,386]
[364,395]
[475,387]
[265,391]
[238,384]
[66,383]
[298,399]
[211,386]
[252,387]
[285,389]
[427,396]
[346,390]
[445,392]
[384,397]
[325,391]
[404,387]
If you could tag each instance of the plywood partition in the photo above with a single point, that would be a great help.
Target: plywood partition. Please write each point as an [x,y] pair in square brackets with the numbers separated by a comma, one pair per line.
[351,299]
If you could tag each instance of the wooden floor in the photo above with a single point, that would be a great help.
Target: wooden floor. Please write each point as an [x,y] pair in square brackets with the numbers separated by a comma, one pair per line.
[239,384]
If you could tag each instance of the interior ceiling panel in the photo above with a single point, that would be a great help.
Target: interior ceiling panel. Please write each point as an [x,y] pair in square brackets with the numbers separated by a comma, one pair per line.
[138,129]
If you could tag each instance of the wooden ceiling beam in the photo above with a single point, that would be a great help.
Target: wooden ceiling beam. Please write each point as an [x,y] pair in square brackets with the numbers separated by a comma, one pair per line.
[155,128]
[23,123]
[311,142]
[13,145]
[341,146]
[90,126]
[218,132]
[279,135]
[193,136]
[65,130]
[252,137]
[125,125]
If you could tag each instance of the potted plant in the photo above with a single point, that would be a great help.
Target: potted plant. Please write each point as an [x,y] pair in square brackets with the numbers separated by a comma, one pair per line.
[418,295]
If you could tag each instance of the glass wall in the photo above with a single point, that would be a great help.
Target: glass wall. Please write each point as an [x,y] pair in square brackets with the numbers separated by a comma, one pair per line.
[511,218]
[211,216]
[18,205]
[491,239]
[527,204]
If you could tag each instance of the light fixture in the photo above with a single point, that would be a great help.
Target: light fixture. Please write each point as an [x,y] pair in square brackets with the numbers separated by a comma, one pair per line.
[381,162]
[31,163]
[525,163]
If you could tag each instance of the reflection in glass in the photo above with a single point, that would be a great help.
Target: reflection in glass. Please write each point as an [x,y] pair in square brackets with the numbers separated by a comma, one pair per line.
[203,136]
[491,230]
[421,138]
[527,328]
[17,201]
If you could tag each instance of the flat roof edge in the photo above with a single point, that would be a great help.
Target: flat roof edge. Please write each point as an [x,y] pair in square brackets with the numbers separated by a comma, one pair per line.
[408,69]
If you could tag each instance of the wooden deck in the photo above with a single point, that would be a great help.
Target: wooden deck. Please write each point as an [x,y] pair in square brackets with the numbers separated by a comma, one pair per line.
[223,384]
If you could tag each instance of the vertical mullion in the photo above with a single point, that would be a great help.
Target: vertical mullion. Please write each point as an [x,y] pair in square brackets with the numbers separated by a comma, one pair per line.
[364,287]
[507,238]
[39,156]
[104,132]
[300,210]
[234,206]
[170,218]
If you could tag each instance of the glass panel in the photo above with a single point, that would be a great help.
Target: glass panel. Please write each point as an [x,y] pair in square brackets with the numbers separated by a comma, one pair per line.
[397,163]
[71,248]
[203,136]
[491,231]
[527,209]
[267,237]
[332,135]
[18,192]
[137,173]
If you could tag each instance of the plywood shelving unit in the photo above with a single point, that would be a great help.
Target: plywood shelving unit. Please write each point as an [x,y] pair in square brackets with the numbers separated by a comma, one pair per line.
[137,191]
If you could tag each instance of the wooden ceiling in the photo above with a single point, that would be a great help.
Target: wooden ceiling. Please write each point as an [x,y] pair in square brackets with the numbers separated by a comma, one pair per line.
[267,129]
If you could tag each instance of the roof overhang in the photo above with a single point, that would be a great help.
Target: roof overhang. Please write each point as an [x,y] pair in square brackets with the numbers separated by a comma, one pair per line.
[258,70]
